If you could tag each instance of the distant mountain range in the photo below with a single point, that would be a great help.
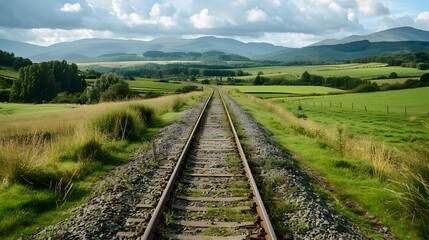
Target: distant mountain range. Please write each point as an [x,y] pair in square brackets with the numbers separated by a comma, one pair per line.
[396,40]
[400,34]
[88,49]
[346,51]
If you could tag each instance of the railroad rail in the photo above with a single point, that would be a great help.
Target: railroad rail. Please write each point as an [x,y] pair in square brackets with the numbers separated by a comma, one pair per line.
[211,193]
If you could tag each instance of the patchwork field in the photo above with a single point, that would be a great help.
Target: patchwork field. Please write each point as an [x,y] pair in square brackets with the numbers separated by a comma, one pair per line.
[363,71]
[399,117]
[143,85]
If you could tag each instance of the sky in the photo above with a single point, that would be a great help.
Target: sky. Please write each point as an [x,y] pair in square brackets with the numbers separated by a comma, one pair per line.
[289,23]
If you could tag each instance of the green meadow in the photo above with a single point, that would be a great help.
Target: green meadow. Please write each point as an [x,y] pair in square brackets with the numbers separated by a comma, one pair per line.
[286,89]
[356,70]
[397,117]
[143,85]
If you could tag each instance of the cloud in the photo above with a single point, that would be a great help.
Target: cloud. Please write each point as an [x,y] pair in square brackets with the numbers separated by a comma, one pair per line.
[421,21]
[256,15]
[203,20]
[372,8]
[68,7]
[256,19]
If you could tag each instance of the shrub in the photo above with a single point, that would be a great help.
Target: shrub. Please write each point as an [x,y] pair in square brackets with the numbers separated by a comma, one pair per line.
[205,81]
[4,95]
[424,79]
[177,104]
[120,124]
[91,150]
[367,87]
[147,114]
[393,75]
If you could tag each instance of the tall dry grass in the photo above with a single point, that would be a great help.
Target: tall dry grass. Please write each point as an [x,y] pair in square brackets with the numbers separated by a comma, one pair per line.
[47,149]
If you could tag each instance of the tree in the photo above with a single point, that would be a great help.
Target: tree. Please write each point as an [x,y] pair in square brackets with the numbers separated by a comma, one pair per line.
[109,87]
[424,79]
[35,84]
[117,91]
[305,77]
[393,75]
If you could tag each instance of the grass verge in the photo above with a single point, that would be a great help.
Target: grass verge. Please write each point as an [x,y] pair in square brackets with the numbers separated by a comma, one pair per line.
[48,162]
[360,182]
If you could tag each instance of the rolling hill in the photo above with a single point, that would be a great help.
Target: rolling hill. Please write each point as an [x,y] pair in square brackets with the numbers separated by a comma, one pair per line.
[390,35]
[346,51]
[86,49]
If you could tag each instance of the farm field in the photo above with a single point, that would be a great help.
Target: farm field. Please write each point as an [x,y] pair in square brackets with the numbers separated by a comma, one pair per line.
[348,110]
[143,85]
[8,72]
[8,110]
[285,89]
[128,63]
[357,70]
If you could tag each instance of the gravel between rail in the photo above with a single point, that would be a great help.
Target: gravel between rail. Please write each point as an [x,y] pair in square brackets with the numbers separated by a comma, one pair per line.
[117,195]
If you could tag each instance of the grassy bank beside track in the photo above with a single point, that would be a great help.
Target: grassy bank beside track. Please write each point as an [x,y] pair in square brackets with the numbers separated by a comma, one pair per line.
[365,179]
[48,160]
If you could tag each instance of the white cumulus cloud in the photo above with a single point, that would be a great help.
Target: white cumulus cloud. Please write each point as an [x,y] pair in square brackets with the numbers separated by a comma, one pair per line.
[203,20]
[372,7]
[256,15]
[68,7]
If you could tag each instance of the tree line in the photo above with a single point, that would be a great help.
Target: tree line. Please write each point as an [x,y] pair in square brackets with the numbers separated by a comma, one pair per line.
[419,60]
[9,59]
[41,82]
[344,82]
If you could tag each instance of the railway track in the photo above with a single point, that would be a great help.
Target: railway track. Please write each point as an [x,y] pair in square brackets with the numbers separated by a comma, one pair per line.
[211,193]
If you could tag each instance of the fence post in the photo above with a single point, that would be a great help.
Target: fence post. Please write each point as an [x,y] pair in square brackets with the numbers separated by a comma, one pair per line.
[366,110]
[406,111]
[330,104]
[388,112]
[341,105]
[353,106]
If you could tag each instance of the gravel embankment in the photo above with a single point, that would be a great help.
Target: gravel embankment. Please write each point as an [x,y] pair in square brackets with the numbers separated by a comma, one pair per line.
[313,218]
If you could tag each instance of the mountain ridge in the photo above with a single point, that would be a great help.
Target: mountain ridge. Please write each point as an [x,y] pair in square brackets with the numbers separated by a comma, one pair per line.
[399,34]
[92,48]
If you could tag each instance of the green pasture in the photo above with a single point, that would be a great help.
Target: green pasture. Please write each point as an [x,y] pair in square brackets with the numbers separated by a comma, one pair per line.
[285,89]
[397,117]
[151,85]
[363,71]
[8,72]
[14,109]
[393,80]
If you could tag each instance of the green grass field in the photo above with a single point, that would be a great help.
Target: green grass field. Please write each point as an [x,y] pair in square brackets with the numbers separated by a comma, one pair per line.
[363,71]
[349,110]
[14,109]
[393,80]
[285,89]
[143,85]
[8,72]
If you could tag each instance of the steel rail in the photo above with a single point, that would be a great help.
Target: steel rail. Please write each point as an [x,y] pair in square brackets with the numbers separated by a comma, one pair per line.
[260,208]
[148,233]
